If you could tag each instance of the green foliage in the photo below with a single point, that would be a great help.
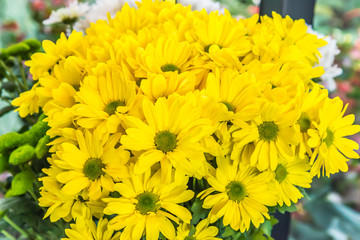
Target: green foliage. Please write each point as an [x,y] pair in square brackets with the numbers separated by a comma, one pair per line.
[41,148]
[21,183]
[22,154]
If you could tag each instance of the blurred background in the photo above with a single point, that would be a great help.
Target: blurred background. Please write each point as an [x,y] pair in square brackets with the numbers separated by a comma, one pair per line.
[331,209]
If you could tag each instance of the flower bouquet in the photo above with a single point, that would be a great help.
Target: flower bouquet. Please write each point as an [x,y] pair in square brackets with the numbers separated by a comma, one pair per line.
[167,123]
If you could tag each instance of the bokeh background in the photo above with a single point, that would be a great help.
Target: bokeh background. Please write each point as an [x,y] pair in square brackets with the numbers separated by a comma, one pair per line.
[331,209]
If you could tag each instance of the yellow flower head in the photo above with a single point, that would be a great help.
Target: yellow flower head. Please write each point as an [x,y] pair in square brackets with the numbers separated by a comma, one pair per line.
[272,133]
[170,136]
[148,205]
[331,147]
[240,196]
[93,166]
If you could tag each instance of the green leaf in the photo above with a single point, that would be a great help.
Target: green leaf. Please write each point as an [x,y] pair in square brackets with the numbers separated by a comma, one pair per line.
[7,203]
[304,193]
[284,208]
[198,211]
[21,183]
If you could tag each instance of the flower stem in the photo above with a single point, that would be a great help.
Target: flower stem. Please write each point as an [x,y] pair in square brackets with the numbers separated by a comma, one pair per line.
[8,235]
[16,227]
[23,85]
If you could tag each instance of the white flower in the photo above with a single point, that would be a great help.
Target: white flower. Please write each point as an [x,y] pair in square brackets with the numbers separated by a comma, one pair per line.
[68,15]
[99,10]
[328,53]
[198,5]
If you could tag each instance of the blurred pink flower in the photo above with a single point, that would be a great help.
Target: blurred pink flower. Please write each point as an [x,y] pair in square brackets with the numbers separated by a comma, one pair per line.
[38,5]
[253,9]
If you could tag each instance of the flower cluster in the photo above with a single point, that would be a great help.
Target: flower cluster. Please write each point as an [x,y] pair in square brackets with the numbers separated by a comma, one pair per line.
[161,94]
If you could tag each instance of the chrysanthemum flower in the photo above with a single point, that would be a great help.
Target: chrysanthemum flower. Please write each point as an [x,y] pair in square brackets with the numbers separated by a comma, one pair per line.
[148,205]
[240,196]
[220,38]
[272,133]
[93,166]
[237,92]
[331,147]
[171,136]
[27,102]
[201,232]
[61,205]
[103,98]
[288,175]
[86,229]
[41,63]
[309,102]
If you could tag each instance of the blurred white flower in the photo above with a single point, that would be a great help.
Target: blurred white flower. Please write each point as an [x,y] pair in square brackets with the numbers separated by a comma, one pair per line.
[208,5]
[68,15]
[99,10]
[327,60]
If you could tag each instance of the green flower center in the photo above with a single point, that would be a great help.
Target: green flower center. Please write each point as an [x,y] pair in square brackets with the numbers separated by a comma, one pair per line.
[207,48]
[304,122]
[93,168]
[229,106]
[170,68]
[236,191]
[147,202]
[165,141]
[111,107]
[329,138]
[280,173]
[268,131]
[190,238]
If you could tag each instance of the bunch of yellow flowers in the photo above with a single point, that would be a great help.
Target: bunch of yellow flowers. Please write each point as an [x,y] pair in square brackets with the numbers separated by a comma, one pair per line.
[162,105]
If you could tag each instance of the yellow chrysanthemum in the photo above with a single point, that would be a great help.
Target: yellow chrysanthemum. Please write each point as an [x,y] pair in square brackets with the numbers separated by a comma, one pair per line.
[148,205]
[309,103]
[104,98]
[331,147]
[86,229]
[272,133]
[27,102]
[201,232]
[42,63]
[171,136]
[92,166]
[288,175]
[237,92]
[219,38]
[61,205]
[240,196]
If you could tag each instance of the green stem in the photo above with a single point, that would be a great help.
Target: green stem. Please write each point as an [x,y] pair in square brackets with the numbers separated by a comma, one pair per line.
[33,195]
[8,235]
[11,76]
[23,76]
[16,227]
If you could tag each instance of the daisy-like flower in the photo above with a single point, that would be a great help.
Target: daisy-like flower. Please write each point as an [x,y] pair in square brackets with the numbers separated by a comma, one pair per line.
[148,205]
[220,38]
[104,98]
[237,92]
[27,102]
[93,166]
[42,63]
[272,133]
[241,196]
[331,147]
[61,205]
[327,59]
[68,15]
[166,56]
[99,10]
[171,136]
[86,229]
[308,101]
[288,175]
[202,231]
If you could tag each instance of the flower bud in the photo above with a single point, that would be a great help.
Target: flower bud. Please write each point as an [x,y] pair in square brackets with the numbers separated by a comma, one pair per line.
[22,154]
